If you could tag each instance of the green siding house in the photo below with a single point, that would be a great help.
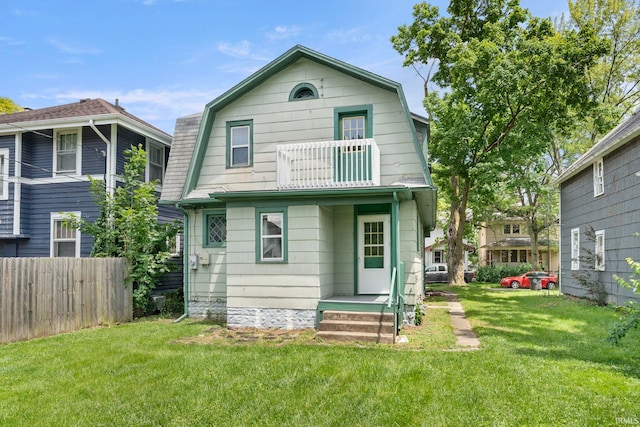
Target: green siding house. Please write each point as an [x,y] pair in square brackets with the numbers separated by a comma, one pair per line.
[304,188]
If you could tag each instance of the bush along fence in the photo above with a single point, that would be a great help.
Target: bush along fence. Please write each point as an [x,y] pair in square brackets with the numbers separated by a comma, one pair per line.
[47,296]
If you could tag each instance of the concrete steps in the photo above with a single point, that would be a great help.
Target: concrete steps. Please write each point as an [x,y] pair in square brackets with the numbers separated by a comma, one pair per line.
[356,326]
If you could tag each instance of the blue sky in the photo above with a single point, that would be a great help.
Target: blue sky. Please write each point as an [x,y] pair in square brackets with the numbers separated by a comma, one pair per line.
[164,59]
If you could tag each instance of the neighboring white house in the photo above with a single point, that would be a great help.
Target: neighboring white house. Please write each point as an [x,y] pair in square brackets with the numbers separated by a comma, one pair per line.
[435,250]
[304,187]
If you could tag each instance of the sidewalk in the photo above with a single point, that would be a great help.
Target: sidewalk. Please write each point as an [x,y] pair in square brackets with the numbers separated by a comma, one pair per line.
[466,339]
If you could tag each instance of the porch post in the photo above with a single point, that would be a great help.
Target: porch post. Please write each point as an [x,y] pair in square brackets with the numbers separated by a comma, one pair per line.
[395,260]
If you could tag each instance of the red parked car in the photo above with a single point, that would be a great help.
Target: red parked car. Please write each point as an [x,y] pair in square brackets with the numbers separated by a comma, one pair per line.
[547,280]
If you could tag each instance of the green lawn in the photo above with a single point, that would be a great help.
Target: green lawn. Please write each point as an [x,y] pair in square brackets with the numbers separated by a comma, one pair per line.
[544,362]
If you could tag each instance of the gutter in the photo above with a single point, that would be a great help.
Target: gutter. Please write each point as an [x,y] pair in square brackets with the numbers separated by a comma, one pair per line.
[185,267]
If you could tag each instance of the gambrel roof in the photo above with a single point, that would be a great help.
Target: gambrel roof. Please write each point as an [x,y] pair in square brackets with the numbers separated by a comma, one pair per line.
[616,138]
[190,146]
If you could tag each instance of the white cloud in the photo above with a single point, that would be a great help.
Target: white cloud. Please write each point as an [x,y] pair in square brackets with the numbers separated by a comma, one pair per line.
[349,36]
[10,41]
[284,32]
[73,48]
[238,50]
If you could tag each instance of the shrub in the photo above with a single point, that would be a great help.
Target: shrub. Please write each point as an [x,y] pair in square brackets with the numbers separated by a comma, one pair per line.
[174,303]
[494,273]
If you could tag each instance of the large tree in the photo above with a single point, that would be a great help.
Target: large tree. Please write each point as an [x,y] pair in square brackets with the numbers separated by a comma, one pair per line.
[507,81]
[614,80]
[615,84]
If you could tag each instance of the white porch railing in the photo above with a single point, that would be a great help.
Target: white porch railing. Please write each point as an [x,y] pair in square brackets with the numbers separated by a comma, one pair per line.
[328,164]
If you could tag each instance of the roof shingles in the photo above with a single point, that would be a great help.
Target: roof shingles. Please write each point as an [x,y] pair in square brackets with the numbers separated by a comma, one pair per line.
[83,108]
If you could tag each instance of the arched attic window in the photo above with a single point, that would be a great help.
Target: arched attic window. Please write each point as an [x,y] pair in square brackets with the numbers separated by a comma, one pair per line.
[303,91]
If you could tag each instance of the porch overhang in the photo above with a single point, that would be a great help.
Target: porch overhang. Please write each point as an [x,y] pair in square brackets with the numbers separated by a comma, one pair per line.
[424,195]
[518,243]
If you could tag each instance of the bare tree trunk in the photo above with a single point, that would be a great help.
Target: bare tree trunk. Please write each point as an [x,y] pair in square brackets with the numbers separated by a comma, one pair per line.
[535,250]
[455,232]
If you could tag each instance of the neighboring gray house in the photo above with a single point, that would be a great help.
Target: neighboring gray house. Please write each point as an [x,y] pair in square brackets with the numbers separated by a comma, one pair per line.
[602,190]
[306,189]
[46,158]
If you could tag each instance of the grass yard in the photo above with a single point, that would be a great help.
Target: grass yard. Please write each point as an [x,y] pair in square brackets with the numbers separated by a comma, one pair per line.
[543,362]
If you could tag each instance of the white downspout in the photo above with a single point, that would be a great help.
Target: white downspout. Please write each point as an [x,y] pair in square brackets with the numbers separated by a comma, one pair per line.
[108,158]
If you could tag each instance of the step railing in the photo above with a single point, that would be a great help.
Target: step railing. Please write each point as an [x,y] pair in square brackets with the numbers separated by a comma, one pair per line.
[328,164]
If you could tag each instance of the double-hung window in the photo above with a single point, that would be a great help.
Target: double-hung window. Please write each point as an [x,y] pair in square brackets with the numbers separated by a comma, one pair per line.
[598,177]
[271,227]
[352,123]
[239,143]
[4,174]
[215,228]
[599,250]
[575,249]
[155,162]
[67,149]
[65,240]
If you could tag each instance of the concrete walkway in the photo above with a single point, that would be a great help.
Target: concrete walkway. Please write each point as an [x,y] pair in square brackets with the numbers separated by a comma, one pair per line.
[466,339]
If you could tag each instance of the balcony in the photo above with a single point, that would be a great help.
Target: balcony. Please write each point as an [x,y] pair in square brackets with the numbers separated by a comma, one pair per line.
[328,164]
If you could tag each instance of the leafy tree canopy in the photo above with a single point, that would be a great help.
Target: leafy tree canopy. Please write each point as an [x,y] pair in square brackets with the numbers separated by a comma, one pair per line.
[8,106]
[507,81]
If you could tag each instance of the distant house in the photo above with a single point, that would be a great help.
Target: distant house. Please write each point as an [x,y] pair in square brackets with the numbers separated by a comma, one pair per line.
[601,190]
[435,251]
[305,188]
[46,158]
[505,241]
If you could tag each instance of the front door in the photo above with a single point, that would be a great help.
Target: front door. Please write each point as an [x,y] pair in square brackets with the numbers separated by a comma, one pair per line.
[374,254]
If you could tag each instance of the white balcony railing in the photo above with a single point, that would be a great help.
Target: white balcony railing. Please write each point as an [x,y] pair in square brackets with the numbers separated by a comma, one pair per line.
[328,164]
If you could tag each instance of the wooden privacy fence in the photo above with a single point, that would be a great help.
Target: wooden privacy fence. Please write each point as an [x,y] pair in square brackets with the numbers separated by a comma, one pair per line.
[47,296]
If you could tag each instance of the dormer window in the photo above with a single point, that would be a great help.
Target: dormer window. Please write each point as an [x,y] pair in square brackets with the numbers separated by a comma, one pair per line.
[303,91]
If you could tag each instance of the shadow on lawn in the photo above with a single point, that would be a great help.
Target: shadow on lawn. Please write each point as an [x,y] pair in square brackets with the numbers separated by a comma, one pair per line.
[544,325]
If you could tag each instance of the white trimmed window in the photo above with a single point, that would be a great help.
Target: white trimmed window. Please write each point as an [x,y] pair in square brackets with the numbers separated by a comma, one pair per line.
[599,250]
[67,149]
[4,174]
[239,143]
[272,235]
[575,249]
[65,240]
[155,162]
[598,177]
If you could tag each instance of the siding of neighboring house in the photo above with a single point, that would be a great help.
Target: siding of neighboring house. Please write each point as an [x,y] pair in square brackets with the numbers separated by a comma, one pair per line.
[126,139]
[617,212]
[37,154]
[277,122]
[93,160]
[70,197]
